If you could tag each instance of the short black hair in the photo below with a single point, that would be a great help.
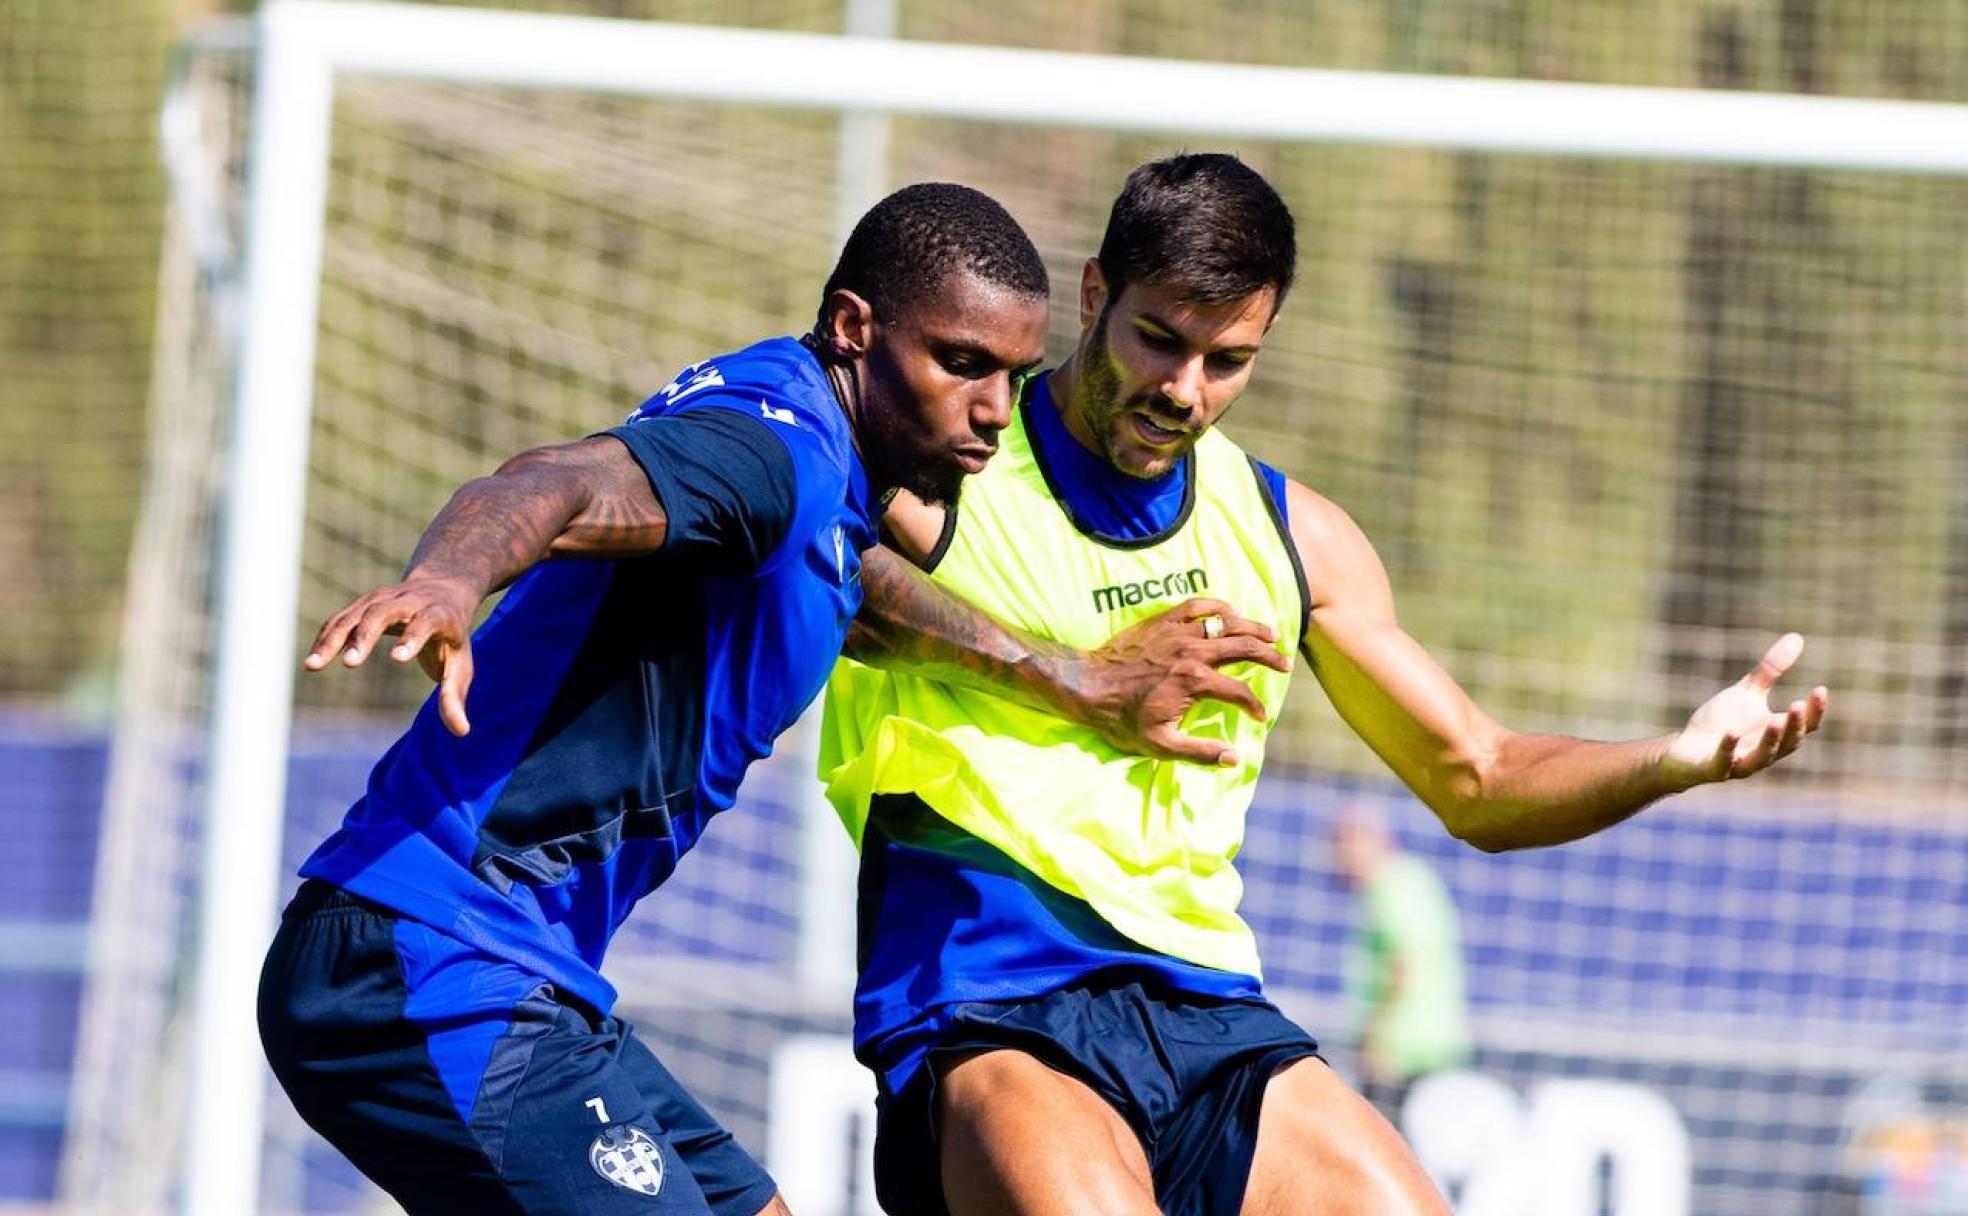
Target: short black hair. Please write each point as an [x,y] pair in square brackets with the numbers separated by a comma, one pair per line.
[1205,222]
[905,245]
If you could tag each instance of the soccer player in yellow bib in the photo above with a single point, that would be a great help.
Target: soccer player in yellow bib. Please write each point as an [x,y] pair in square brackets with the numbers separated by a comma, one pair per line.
[1058,998]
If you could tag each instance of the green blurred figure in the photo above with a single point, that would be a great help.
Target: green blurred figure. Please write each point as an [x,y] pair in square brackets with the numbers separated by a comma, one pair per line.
[1406,966]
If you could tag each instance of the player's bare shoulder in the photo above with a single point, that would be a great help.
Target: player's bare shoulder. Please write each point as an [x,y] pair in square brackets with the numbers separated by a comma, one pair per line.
[1339,561]
[912,527]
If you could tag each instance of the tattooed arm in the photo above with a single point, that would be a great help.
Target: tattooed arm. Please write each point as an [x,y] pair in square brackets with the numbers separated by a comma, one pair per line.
[1133,690]
[588,499]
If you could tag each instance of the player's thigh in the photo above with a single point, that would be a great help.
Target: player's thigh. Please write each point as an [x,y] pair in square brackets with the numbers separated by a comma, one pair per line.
[330,1011]
[733,1182]
[1018,1138]
[1323,1148]
[576,1133]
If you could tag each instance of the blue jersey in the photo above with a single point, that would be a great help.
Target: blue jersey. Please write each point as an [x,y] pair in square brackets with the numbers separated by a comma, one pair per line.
[947,919]
[617,704]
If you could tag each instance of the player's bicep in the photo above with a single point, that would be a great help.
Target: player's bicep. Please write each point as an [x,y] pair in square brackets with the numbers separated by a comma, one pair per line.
[600,503]
[1401,703]
[1392,692]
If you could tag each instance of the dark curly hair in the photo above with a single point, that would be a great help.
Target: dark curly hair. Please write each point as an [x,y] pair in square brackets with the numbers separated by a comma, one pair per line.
[905,245]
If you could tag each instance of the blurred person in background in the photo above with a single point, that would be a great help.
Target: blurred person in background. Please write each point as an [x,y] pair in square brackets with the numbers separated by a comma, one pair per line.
[1405,968]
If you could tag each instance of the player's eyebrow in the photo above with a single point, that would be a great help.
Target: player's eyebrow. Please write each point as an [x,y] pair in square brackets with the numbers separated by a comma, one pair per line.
[983,353]
[1174,331]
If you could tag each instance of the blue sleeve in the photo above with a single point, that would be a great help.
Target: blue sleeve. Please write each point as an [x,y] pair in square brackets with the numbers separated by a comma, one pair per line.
[1275,482]
[725,481]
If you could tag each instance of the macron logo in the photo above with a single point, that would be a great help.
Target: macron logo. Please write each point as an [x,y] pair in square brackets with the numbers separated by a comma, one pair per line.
[1126,595]
[777,415]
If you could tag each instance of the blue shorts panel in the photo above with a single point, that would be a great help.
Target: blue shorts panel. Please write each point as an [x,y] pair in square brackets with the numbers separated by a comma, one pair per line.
[1186,1073]
[572,1114]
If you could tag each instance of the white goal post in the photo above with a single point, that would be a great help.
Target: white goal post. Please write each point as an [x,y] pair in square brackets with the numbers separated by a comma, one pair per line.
[305,45]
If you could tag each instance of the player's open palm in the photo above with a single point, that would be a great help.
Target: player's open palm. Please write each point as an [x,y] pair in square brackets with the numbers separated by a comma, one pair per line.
[1735,732]
[430,617]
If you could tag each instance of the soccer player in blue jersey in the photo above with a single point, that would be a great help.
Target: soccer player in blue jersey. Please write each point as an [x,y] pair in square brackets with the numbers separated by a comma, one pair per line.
[1060,1002]
[433,1001]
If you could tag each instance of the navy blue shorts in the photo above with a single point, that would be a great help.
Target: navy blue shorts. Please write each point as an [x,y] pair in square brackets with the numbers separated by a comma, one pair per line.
[569,1113]
[1186,1073]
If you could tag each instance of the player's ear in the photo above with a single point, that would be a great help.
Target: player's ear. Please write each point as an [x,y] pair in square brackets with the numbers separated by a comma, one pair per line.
[1093,292]
[847,324]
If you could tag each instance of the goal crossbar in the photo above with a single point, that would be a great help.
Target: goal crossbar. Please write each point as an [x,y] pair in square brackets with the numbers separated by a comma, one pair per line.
[1124,93]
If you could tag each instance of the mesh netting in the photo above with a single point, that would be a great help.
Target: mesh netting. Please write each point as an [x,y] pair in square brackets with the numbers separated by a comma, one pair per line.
[1612,426]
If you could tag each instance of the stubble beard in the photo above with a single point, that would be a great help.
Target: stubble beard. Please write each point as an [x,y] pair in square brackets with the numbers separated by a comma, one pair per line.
[1106,414]
[934,484]
[935,480]
[1100,393]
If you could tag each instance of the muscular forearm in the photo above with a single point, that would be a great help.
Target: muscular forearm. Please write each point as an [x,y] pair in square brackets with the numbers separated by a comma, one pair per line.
[1493,787]
[588,497]
[1537,790]
[494,529]
[582,499]
[909,624]
[1496,788]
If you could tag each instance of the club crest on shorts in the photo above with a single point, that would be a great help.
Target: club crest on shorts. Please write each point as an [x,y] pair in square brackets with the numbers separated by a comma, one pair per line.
[627,1157]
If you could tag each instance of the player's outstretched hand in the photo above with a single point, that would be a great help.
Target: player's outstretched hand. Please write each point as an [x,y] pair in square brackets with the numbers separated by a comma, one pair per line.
[1137,686]
[1735,733]
[432,619]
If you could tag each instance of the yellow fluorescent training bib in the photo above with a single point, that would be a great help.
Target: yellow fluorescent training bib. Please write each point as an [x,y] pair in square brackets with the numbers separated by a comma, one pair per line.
[1149,844]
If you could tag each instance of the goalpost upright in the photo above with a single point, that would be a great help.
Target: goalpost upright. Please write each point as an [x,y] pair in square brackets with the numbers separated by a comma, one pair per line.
[304,45]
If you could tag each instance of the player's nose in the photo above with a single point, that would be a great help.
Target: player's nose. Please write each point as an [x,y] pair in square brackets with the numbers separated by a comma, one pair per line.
[990,411]
[1183,380]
